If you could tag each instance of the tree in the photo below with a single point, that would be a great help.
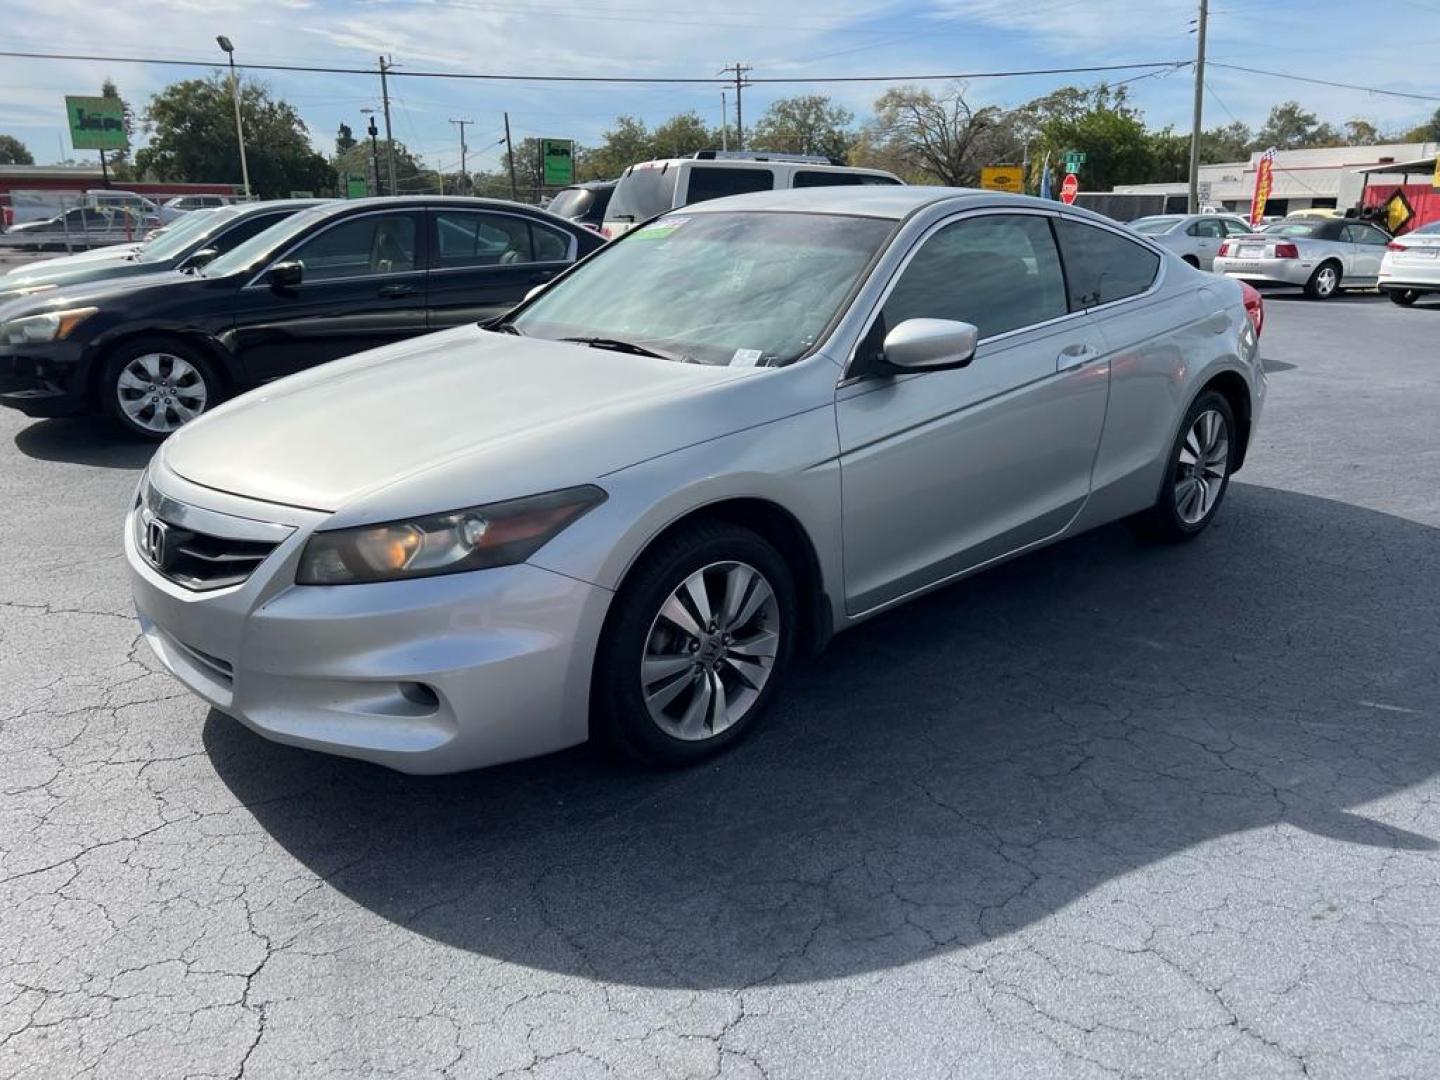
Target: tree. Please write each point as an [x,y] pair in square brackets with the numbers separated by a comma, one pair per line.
[119,160]
[1426,132]
[1170,155]
[682,135]
[1230,142]
[344,139]
[14,152]
[1363,133]
[411,175]
[808,124]
[624,144]
[941,139]
[192,137]
[1290,127]
[1098,121]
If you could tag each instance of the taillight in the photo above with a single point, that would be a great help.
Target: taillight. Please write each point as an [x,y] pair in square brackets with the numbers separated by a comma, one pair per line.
[1393,246]
[1224,248]
[605,232]
[1254,306]
[1286,251]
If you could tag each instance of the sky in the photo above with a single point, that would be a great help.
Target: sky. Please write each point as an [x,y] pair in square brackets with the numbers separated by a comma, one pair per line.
[1390,44]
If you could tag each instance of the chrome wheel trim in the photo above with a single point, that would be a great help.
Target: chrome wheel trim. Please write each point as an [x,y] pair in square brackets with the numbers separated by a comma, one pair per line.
[160,391]
[710,651]
[1201,467]
[1326,279]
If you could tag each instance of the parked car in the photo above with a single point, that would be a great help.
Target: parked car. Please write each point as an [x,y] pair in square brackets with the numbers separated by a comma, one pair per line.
[652,187]
[139,205]
[181,205]
[189,244]
[338,278]
[1320,255]
[78,227]
[1411,267]
[1196,238]
[626,506]
[584,203]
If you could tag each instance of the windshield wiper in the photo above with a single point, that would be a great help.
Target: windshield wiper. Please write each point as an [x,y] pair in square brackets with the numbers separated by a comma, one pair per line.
[502,326]
[617,345]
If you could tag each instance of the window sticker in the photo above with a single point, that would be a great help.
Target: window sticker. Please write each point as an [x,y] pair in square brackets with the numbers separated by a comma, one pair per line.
[659,230]
[746,357]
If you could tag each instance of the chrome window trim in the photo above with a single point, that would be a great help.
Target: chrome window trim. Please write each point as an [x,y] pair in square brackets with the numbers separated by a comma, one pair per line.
[343,219]
[571,251]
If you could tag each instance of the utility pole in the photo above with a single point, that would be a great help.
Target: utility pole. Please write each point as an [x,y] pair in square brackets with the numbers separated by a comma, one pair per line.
[1201,27]
[385,66]
[374,151]
[739,69]
[229,49]
[464,177]
[724,122]
[510,154]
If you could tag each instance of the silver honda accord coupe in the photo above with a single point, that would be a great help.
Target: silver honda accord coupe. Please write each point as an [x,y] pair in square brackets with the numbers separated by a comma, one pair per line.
[622,510]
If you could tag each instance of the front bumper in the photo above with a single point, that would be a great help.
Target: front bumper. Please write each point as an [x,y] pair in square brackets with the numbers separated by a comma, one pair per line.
[433,675]
[43,380]
[1267,271]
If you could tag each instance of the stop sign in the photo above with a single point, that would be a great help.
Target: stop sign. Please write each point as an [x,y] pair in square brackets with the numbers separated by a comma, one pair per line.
[1069,188]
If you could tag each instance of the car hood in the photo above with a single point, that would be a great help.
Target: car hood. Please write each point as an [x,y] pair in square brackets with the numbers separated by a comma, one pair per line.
[87,293]
[461,417]
[112,253]
[75,274]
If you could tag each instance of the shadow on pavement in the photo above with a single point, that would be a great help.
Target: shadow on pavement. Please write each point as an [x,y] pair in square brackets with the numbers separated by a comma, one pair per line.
[946,774]
[83,440]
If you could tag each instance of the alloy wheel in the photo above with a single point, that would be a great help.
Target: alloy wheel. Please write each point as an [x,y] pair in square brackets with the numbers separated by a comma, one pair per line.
[160,391]
[710,651]
[1325,280]
[1201,467]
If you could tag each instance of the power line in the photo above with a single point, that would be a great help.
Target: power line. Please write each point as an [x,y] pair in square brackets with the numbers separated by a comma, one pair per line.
[1326,82]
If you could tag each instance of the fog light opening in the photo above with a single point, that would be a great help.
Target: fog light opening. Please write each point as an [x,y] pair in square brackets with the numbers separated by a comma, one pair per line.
[420,694]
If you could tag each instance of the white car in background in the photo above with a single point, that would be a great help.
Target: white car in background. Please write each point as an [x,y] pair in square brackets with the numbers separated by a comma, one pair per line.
[1411,266]
[1196,238]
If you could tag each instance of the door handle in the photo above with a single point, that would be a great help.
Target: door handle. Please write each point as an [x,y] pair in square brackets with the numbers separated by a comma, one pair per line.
[397,290]
[1074,356]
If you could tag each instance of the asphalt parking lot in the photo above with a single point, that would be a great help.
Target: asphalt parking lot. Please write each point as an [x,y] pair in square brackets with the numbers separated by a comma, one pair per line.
[1108,810]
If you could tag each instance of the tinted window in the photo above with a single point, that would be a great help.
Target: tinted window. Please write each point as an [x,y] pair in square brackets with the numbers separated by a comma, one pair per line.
[373,244]
[244,230]
[548,245]
[816,178]
[712,183]
[642,193]
[1207,227]
[572,203]
[1000,272]
[464,238]
[1102,266]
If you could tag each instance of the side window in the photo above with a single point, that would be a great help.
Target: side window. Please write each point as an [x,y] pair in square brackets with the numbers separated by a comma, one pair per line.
[1207,227]
[243,231]
[1363,234]
[711,183]
[361,247]
[466,238]
[548,245]
[1102,266]
[1238,228]
[999,272]
[815,178]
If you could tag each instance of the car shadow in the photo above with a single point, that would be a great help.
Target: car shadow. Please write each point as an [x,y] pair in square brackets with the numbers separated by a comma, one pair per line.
[943,775]
[83,441]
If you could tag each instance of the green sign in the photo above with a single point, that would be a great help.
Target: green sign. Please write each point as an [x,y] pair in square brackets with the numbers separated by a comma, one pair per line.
[1074,159]
[356,187]
[558,156]
[96,123]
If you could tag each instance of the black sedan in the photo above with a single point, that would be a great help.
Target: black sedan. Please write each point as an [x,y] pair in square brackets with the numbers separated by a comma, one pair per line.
[188,244]
[336,279]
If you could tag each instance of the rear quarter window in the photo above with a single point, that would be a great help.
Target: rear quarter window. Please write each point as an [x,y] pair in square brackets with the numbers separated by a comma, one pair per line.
[707,182]
[805,178]
[1101,266]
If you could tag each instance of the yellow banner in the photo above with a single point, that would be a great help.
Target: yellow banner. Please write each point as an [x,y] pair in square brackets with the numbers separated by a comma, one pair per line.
[1003,178]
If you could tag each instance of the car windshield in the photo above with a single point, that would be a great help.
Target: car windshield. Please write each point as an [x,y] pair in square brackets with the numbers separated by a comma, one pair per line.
[1296,228]
[1155,226]
[178,238]
[751,289]
[263,244]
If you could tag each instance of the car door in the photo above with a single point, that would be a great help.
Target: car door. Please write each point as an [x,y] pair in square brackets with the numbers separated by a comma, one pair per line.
[1207,234]
[363,286]
[1367,250]
[483,262]
[943,471]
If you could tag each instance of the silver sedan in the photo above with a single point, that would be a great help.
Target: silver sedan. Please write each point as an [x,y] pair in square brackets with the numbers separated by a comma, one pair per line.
[1320,255]
[1196,238]
[623,509]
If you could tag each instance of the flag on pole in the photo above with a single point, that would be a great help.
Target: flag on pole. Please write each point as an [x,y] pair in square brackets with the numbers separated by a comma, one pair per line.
[1264,183]
[1045,181]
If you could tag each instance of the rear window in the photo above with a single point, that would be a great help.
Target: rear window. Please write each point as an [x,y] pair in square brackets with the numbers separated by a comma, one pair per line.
[572,202]
[816,178]
[707,182]
[1102,266]
[642,193]
[1297,228]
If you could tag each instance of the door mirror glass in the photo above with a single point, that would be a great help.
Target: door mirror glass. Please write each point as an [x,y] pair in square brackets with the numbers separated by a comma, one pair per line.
[285,275]
[201,257]
[930,344]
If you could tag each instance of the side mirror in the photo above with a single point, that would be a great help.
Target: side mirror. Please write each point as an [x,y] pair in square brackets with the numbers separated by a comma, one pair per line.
[201,257]
[930,345]
[285,275]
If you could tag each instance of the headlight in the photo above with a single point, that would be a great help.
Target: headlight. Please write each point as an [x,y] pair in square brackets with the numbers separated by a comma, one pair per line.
[52,326]
[496,535]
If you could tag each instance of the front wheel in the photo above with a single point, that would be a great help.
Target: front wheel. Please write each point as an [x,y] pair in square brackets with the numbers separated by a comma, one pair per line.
[1198,474]
[153,386]
[696,646]
[1324,282]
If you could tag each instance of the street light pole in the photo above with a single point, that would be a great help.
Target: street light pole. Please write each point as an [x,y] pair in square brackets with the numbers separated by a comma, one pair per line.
[374,151]
[1198,119]
[225,44]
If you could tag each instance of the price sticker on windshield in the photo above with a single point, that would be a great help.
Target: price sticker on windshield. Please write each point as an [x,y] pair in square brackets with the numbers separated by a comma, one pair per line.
[746,357]
[659,230]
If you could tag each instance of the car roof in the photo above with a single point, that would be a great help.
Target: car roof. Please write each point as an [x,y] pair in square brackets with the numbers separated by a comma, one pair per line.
[876,200]
[751,162]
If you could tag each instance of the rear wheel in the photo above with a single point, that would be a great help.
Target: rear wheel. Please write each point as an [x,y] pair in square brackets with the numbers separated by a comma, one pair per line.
[696,646]
[1198,474]
[153,386]
[1403,297]
[1324,282]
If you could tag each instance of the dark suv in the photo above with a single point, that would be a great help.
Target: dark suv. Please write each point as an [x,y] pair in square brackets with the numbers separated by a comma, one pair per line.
[336,279]
[585,203]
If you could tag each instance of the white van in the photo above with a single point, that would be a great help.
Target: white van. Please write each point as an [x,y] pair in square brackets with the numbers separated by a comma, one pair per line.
[652,187]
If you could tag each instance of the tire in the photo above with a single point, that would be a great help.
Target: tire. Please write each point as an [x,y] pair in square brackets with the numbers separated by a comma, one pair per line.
[1403,297]
[151,386]
[1195,458]
[1324,282]
[665,710]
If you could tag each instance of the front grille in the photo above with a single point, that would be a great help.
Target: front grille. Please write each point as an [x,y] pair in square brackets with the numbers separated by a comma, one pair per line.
[222,670]
[200,561]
